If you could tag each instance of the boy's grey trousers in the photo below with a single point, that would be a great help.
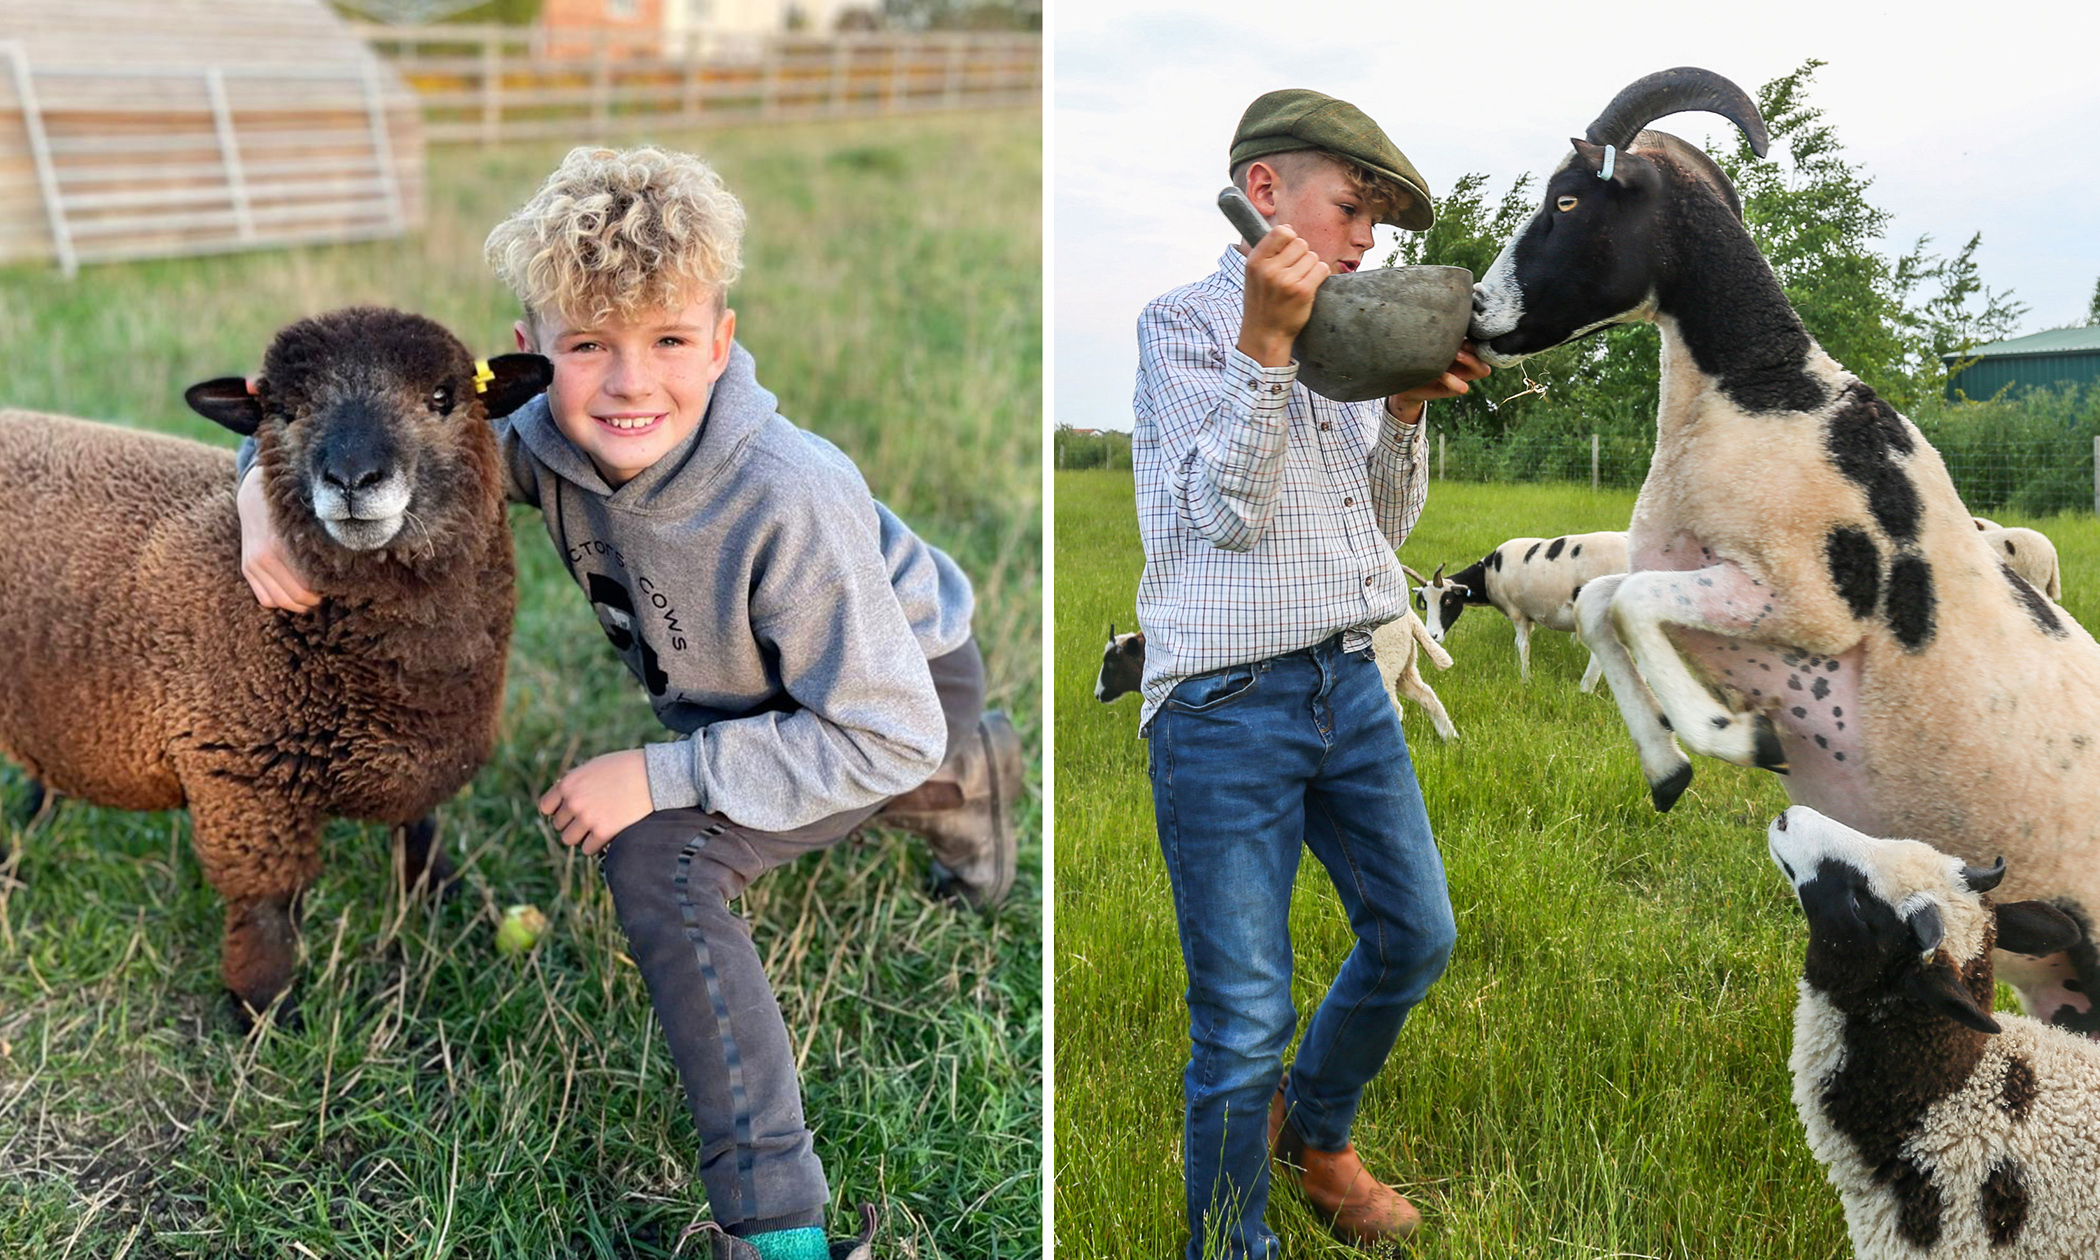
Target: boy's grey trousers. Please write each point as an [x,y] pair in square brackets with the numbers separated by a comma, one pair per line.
[672,876]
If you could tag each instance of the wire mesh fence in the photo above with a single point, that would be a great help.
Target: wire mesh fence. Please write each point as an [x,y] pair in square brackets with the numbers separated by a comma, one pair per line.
[2036,476]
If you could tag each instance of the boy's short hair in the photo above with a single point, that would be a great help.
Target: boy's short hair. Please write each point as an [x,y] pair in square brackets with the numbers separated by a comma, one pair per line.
[620,231]
[1385,196]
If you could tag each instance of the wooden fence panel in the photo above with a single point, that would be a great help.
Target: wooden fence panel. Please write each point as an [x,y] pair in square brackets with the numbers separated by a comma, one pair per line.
[489,84]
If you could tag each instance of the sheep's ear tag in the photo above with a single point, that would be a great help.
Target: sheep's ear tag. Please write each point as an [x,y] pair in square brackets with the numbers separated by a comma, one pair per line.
[509,381]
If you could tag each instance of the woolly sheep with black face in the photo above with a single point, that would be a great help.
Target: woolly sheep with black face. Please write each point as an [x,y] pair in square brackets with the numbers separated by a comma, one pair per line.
[144,674]
[1949,1131]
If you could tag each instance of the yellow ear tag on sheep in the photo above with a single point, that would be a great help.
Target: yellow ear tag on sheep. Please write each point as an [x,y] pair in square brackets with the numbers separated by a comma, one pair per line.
[482,376]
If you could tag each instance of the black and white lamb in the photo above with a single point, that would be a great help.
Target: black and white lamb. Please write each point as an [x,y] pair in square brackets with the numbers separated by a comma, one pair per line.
[1950,1132]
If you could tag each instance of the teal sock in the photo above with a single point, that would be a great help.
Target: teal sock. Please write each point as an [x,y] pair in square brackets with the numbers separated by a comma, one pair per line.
[792,1244]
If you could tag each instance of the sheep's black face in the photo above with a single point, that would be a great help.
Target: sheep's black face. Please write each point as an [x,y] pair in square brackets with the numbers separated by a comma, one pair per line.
[365,399]
[1584,261]
[1897,921]
[371,430]
[1122,666]
[1450,602]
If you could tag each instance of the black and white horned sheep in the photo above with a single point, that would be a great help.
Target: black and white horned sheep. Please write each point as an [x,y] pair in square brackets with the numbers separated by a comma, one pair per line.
[1808,593]
[142,674]
[1531,581]
[1950,1133]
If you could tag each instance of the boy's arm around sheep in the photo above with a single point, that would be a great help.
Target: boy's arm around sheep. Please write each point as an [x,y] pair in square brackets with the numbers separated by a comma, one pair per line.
[270,574]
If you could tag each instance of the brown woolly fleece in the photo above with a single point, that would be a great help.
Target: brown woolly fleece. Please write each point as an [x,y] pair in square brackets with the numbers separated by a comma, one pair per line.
[144,675]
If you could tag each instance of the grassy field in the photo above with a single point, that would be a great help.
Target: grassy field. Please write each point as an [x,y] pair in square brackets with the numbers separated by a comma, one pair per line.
[440,1100]
[1601,1071]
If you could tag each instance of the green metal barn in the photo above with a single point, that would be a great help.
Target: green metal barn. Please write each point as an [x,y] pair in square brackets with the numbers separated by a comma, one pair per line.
[2038,359]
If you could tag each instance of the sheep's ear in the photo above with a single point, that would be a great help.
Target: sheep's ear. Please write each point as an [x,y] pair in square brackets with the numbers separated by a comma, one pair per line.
[2035,928]
[227,401]
[1937,986]
[509,381]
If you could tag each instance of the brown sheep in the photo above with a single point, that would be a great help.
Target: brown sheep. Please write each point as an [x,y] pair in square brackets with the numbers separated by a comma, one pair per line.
[144,675]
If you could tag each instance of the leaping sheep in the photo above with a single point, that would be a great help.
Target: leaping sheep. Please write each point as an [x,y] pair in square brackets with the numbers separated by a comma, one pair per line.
[1950,1132]
[1808,592]
[142,674]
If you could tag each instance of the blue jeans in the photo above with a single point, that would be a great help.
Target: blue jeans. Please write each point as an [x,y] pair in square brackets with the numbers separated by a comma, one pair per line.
[1249,764]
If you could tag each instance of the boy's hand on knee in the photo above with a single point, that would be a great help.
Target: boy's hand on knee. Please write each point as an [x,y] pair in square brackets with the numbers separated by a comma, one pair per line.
[269,571]
[599,799]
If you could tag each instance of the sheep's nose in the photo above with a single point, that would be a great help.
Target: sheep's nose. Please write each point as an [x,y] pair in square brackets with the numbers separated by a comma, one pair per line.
[351,476]
[1780,822]
[1479,300]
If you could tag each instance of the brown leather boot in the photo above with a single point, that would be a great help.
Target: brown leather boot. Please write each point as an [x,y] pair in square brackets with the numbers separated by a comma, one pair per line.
[965,811]
[1362,1210]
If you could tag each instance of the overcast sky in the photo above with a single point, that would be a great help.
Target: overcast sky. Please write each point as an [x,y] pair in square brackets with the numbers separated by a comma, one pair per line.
[1982,117]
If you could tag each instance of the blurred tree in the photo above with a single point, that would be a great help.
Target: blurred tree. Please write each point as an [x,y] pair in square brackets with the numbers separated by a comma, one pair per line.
[2092,310]
[951,15]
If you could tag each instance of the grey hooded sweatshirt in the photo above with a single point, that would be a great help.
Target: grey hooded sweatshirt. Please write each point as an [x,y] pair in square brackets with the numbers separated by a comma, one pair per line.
[777,615]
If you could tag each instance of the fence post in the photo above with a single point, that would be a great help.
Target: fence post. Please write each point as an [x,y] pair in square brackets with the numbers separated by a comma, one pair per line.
[952,86]
[769,78]
[491,86]
[690,106]
[1593,461]
[1439,454]
[2096,473]
[601,85]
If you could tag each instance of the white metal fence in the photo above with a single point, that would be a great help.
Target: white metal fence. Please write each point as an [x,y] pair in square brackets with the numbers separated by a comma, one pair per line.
[488,84]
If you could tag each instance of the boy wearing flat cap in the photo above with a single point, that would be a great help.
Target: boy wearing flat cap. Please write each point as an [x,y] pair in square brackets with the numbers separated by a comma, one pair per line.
[1269,516]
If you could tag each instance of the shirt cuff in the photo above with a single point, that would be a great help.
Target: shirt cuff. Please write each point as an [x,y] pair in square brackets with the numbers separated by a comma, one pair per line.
[1401,439]
[672,783]
[1268,387]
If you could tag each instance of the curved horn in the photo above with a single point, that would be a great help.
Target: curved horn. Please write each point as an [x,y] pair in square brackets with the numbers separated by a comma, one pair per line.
[1674,91]
[1983,878]
[1111,632]
[1438,580]
[1413,576]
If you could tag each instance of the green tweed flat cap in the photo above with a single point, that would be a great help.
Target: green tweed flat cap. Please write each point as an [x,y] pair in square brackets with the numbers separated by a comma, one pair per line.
[1300,118]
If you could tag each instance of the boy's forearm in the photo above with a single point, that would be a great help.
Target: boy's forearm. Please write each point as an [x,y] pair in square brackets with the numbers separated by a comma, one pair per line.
[777,772]
[1399,475]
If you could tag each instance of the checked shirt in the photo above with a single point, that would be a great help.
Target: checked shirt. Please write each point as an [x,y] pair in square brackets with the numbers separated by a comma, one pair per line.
[1269,514]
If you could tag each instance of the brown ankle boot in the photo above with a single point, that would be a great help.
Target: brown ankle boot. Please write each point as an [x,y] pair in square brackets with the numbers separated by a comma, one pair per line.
[965,811]
[1362,1210]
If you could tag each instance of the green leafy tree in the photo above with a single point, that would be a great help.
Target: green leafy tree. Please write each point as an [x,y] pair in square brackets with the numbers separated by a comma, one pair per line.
[2092,310]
